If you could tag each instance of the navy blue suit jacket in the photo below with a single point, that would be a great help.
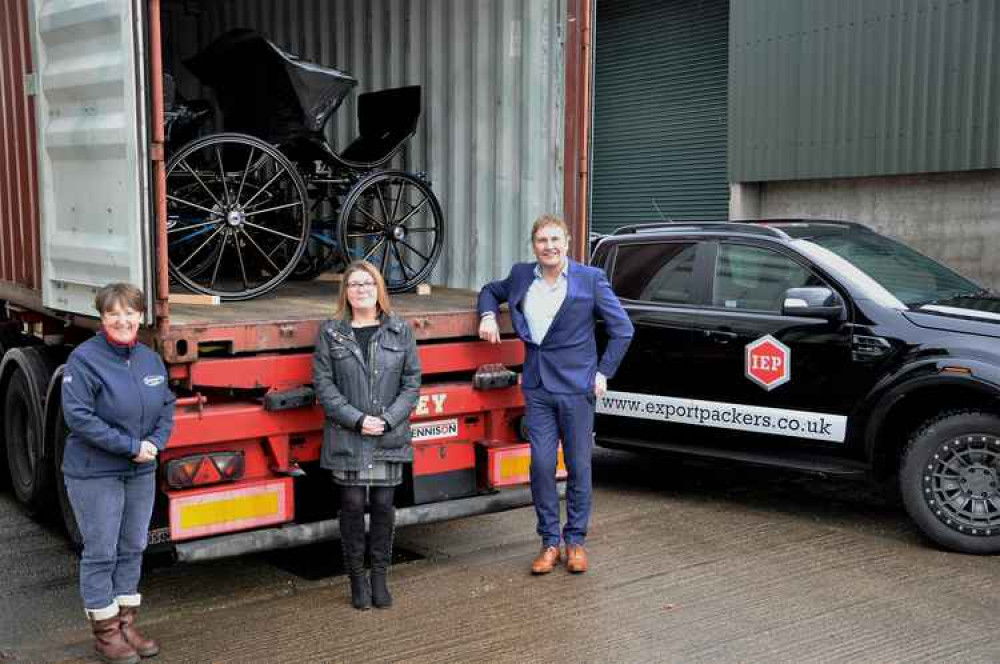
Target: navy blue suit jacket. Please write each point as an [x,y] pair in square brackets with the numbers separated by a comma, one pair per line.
[566,360]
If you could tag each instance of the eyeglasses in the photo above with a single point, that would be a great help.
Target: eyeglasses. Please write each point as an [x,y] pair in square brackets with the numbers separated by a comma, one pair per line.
[359,285]
[118,314]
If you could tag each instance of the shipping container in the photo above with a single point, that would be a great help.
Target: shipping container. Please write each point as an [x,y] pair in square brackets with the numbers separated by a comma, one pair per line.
[83,202]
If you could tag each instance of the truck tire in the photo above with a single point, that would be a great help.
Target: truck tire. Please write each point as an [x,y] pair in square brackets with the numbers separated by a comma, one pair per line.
[57,431]
[950,480]
[10,337]
[24,428]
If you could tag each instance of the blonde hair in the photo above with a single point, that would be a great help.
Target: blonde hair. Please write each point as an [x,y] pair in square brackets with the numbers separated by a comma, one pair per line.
[548,220]
[343,309]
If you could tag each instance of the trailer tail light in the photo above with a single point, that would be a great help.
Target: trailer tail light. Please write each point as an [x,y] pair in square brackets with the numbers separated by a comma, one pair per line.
[205,469]
[508,464]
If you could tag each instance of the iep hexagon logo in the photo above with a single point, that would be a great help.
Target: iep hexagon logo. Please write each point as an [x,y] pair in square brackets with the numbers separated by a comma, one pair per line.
[768,362]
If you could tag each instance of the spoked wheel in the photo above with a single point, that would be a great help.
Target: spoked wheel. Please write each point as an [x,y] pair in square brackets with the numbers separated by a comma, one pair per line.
[237,216]
[393,220]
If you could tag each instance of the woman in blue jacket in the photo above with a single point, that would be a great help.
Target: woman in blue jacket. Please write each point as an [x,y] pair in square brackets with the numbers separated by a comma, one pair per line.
[120,410]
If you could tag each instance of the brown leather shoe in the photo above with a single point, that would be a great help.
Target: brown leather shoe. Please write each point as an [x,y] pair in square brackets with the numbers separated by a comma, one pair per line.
[546,560]
[110,645]
[145,647]
[576,558]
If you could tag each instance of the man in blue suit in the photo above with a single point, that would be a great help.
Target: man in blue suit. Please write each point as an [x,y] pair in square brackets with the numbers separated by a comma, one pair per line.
[554,305]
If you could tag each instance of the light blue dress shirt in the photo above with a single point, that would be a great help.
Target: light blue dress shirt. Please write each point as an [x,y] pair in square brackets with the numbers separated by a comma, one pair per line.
[542,302]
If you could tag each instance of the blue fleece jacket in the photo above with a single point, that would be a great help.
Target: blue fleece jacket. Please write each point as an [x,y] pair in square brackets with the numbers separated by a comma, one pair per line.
[114,398]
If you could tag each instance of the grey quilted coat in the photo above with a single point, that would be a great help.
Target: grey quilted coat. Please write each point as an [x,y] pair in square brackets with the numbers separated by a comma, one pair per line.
[348,388]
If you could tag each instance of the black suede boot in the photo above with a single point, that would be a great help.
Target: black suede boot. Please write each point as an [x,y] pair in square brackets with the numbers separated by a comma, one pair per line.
[352,540]
[383,523]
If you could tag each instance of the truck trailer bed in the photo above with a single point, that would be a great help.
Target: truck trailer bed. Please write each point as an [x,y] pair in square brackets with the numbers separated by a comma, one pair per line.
[290,317]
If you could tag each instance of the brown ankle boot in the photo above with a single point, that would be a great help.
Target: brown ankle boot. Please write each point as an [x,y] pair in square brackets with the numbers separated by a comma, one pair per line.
[110,645]
[145,647]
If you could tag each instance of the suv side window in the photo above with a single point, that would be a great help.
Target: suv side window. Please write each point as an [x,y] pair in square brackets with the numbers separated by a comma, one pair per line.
[660,272]
[749,277]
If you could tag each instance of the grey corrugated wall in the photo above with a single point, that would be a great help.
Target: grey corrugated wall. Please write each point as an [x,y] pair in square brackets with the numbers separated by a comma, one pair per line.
[659,111]
[492,132]
[843,88]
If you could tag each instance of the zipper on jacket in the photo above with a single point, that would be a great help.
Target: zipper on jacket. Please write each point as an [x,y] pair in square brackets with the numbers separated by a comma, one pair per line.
[142,404]
[371,371]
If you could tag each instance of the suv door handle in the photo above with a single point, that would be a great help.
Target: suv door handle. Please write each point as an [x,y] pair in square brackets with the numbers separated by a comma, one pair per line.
[720,336]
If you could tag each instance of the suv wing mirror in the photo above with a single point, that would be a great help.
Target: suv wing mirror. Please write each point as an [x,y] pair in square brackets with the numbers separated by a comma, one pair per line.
[813,302]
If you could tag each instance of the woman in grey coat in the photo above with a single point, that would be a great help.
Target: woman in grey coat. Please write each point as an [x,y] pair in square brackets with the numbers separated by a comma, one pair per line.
[367,377]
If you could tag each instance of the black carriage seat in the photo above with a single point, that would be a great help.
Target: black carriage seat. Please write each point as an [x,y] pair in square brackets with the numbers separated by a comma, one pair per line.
[267,92]
[386,119]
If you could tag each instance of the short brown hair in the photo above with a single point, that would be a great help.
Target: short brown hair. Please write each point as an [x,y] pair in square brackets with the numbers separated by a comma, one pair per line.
[122,294]
[548,220]
[344,306]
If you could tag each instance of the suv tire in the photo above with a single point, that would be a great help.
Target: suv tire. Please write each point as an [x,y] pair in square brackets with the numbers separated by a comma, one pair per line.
[950,480]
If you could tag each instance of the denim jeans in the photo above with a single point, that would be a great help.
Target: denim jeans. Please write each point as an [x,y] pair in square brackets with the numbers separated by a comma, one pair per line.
[113,515]
[551,417]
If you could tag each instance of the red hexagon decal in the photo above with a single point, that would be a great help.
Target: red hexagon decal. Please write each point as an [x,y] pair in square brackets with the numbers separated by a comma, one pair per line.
[768,362]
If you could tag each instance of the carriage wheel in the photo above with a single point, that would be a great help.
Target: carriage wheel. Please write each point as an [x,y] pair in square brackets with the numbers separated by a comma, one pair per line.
[237,216]
[182,244]
[393,220]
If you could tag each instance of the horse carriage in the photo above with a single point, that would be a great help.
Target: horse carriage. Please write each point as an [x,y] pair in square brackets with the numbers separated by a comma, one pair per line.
[268,199]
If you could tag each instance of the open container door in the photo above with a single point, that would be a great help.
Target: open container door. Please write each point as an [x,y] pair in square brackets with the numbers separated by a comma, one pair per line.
[93,149]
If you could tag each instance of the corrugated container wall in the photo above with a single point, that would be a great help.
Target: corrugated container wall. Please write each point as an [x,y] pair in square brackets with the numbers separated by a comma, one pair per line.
[491,136]
[20,257]
[821,89]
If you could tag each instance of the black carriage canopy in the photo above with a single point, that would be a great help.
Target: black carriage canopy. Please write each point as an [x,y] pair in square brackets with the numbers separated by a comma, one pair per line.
[266,92]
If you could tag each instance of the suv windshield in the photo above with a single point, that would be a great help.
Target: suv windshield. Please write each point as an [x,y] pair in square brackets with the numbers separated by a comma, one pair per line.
[912,277]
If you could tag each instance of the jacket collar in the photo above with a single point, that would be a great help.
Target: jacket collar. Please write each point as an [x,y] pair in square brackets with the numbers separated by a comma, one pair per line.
[124,351]
[389,322]
[564,272]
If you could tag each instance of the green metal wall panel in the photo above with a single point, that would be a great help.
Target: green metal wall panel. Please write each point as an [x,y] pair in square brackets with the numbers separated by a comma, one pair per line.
[848,88]
[659,131]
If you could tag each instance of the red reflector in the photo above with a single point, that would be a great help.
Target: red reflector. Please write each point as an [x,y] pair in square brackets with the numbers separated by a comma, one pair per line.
[207,472]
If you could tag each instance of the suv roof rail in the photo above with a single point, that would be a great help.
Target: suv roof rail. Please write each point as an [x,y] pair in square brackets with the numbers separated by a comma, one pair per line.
[811,222]
[735,226]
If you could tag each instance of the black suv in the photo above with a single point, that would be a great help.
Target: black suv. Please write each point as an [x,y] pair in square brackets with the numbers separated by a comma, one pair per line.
[816,345]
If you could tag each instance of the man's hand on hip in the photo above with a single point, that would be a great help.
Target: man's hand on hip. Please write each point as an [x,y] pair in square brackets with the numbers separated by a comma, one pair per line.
[489,330]
[600,385]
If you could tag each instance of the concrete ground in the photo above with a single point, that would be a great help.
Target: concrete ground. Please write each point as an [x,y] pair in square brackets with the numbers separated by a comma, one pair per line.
[689,564]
